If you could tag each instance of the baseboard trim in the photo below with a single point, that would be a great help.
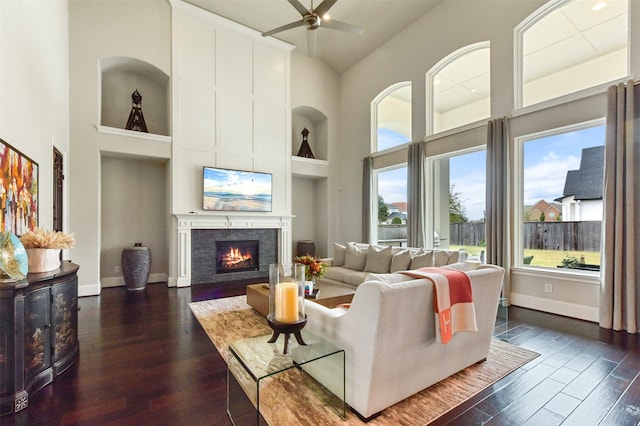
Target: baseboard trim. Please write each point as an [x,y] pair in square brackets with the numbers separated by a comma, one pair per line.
[85,290]
[119,281]
[587,313]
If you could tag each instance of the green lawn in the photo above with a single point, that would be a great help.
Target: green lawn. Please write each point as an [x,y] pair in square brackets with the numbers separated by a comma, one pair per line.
[549,258]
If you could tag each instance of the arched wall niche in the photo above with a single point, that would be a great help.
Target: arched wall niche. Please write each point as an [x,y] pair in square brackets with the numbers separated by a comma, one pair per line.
[120,76]
[316,123]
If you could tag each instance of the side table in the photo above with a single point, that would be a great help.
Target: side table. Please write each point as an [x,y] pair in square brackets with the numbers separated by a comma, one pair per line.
[253,362]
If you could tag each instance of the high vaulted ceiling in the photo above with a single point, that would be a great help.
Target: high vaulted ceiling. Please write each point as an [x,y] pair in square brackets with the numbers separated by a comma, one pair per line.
[381,20]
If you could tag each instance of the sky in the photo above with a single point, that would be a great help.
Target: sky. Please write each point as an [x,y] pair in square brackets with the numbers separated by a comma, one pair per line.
[546,162]
[236,181]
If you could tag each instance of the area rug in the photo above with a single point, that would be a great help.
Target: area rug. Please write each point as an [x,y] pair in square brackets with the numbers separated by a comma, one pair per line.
[229,319]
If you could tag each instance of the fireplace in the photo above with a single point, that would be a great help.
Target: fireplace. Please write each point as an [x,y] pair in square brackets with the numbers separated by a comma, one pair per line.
[198,233]
[228,256]
[237,256]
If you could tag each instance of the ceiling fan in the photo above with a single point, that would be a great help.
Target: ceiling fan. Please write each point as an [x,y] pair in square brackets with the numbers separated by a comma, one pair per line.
[312,19]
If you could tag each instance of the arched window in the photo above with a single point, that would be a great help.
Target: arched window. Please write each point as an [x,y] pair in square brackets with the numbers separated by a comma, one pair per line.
[459,89]
[570,45]
[391,117]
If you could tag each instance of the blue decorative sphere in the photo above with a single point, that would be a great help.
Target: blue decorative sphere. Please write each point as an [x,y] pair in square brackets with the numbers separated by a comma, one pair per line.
[13,256]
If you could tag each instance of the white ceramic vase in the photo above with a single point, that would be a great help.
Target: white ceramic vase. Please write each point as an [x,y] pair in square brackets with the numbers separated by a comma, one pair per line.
[43,260]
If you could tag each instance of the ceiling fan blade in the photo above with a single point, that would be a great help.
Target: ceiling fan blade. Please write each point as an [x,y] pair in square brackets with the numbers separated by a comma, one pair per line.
[342,26]
[323,7]
[311,42]
[283,28]
[299,7]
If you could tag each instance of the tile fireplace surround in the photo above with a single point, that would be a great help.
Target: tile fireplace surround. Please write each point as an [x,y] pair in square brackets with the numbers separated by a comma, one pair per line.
[189,222]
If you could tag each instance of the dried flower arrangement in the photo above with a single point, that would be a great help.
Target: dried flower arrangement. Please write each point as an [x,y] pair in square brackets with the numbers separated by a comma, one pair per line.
[41,238]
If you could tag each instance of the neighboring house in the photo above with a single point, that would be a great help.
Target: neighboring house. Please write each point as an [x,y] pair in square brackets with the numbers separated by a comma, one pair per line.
[397,209]
[395,214]
[582,195]
[400,206]
[551,212]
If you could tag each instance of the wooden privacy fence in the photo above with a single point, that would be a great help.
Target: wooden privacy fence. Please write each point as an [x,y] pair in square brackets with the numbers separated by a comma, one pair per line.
[572,236]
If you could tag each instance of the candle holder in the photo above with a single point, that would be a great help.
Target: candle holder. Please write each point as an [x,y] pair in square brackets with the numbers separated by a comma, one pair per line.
[286,302]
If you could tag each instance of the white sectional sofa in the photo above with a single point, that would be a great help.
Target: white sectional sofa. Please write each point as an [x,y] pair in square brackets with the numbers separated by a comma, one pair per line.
[389,338]
[351,264]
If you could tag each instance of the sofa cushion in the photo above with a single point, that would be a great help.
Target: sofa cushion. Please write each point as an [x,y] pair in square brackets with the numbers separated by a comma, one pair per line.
[422,259]
[400,261]
[444,257]
[338,254]
[378,260]
[335,273]
[355,258]
[354,278]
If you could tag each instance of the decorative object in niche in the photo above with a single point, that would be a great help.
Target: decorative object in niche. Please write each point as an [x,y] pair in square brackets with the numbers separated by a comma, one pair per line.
[305,149]
[136,119]
[136,265]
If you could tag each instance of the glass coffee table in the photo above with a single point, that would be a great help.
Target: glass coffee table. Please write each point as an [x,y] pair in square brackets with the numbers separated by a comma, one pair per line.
[262,380]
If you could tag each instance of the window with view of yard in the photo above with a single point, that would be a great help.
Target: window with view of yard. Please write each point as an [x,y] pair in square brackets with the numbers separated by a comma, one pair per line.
[562,188]
[459,188]
[391,185]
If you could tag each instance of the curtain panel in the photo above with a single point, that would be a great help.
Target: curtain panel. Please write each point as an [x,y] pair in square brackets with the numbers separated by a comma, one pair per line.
[416,193]
[367,164]
[619,295]
[497,201]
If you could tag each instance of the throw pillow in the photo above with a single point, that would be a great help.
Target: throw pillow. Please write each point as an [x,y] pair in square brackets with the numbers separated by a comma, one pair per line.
[422,259]
[400,261]
[441,257]
[355,258]
[378,260]
[338,254]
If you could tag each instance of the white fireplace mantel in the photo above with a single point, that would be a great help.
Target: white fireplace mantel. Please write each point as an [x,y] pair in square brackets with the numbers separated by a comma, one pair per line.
[187,222]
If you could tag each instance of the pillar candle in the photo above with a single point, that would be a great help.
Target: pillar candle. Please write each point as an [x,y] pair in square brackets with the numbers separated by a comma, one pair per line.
[287,302]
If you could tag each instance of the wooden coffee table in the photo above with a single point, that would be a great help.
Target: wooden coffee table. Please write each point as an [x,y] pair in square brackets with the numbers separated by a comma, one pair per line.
[328,295]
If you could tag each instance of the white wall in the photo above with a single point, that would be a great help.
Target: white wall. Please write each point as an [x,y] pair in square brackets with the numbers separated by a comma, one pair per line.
[34,89]
[315,85]
[99,29]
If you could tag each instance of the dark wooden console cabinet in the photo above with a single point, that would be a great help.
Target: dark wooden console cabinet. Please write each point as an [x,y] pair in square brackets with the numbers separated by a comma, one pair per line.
[38,333]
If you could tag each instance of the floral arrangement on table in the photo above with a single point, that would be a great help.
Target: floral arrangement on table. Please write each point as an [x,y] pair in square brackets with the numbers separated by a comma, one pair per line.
[315,268]
[41,238]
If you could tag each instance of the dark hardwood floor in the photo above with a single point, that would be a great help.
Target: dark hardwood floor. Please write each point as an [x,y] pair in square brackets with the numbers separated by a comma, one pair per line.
[144,359]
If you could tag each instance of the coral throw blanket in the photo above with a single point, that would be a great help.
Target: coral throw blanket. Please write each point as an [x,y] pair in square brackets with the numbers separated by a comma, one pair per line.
[453,300]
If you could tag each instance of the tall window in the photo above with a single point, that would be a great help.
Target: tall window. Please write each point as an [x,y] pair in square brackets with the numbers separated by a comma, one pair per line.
[391,111]
[391,185]
[459,183]
[459,89]
[571,45]
[562,188]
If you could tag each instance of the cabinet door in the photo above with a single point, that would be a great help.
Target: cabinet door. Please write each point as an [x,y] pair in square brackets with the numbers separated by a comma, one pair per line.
[7,349]
[65,317]
[37,332]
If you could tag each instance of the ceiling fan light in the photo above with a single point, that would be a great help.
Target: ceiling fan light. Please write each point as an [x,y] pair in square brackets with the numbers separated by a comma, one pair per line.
[326,17]
[312,22]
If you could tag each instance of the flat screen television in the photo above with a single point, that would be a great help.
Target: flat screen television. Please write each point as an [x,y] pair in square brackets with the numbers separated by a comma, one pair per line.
[236,190]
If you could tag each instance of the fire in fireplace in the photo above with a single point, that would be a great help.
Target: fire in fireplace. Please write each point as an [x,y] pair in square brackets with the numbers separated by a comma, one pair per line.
[237,256]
